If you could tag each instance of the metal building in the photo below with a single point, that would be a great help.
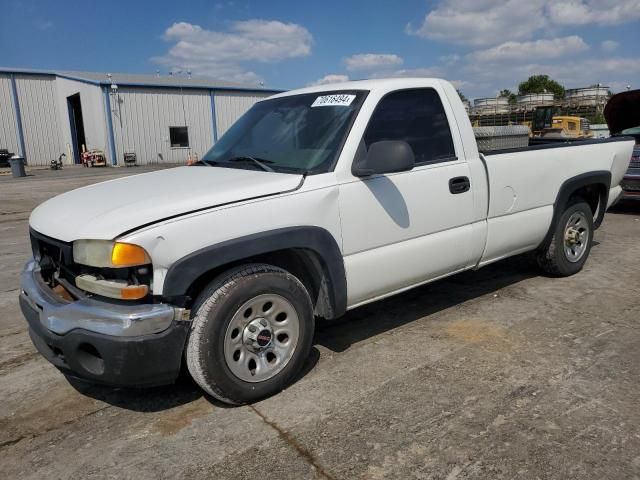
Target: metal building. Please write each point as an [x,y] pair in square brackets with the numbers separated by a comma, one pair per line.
[160,119]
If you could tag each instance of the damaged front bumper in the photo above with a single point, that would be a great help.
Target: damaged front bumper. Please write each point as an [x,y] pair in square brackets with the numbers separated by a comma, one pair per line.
[106,342]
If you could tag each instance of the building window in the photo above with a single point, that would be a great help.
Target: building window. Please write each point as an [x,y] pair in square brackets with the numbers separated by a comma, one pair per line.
[179,136]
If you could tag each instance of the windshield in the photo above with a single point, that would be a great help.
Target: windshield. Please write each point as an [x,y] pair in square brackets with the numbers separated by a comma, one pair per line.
[293,134]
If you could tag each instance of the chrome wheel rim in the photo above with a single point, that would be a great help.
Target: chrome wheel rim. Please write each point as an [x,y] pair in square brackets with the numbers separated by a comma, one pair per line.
[576,237]
[261,338]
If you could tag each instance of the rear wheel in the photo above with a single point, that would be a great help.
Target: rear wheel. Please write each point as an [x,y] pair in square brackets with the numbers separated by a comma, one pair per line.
[251,333]
[569,248]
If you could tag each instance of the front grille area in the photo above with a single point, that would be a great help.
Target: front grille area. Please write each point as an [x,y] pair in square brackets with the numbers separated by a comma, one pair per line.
[631,185]
[635,158]
[54,257]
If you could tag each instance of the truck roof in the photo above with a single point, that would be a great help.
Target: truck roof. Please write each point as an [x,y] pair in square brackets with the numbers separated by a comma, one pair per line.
[384,84]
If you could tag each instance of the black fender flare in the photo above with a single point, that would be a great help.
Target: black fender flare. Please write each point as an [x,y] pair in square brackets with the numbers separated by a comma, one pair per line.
[188,269]
[599,177]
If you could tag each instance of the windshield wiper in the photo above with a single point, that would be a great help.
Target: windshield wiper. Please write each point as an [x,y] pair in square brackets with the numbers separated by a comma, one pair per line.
[209,163]
[262,163]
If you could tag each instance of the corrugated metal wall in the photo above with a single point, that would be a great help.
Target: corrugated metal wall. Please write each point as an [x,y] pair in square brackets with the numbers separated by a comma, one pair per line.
[142,117]
[40,118]
[93,118]
[231,105]
[8,130]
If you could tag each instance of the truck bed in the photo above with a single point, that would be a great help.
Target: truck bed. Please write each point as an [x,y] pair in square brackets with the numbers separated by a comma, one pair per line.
[551,143]
[525,182]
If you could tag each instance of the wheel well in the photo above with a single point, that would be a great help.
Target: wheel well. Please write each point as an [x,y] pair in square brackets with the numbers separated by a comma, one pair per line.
[592,186]
[595,195]
[303,263]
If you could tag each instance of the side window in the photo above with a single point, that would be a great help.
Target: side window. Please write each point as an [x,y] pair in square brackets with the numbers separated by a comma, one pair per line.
[417,117]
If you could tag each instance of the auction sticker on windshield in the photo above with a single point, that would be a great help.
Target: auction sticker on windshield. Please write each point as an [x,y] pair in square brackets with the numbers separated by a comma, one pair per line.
[342,100]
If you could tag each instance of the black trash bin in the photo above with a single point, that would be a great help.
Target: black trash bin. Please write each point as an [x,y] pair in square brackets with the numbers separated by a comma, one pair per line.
[5,155]
[17,167]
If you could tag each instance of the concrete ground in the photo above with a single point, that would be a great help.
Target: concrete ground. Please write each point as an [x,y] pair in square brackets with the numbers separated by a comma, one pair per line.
[500,373]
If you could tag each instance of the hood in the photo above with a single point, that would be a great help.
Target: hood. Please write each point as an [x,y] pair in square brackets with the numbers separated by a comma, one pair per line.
[623,111]
[106,210]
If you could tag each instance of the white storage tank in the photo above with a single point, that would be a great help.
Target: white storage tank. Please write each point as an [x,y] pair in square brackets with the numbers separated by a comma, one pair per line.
[589,96]
[487,106]
[532,100]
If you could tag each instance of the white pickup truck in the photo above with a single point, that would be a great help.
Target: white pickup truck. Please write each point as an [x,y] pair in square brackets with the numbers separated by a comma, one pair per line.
[315,202]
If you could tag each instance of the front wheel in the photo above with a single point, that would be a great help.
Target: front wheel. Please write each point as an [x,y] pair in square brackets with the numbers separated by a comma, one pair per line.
[569,248]
[251,333]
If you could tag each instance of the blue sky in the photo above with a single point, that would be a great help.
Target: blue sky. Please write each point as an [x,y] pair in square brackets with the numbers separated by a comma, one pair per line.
[481,45]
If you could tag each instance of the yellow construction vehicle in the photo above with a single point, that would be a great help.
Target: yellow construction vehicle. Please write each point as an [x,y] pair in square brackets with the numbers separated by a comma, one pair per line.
[548,122]
[571,127]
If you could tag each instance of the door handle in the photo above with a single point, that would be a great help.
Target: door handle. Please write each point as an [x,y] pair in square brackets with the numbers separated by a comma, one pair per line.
[459,185]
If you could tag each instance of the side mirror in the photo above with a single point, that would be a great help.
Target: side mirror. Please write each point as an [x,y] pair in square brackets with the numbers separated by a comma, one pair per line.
[386,156]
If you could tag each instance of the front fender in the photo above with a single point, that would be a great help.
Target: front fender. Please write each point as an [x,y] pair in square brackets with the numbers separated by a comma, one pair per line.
[184,272]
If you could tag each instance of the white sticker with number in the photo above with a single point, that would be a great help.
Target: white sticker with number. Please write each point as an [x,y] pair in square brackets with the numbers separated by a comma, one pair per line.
[341,100]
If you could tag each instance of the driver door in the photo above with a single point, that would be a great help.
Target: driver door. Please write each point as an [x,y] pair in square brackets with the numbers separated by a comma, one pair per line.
[403,229]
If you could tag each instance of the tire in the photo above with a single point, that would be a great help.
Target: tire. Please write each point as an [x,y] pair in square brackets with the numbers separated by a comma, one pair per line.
[229,317]
[571,243]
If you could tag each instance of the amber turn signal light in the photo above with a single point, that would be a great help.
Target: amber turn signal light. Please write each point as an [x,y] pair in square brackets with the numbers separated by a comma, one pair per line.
[128,255]
[134,292]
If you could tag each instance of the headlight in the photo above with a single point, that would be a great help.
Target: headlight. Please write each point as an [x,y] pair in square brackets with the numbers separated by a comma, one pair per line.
[108,254]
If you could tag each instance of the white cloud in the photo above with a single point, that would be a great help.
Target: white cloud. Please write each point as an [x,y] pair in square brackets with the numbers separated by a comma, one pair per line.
[508,40]
[482,22]
[538,49]
[372,61]
[399,73]
[595,70]
[461,84]
[611,72]
[331,78]
[412,72]
[602,12]
[449,60]
[223,54]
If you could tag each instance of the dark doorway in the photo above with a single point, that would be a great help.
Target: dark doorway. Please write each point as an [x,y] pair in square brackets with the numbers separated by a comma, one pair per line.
[77,125]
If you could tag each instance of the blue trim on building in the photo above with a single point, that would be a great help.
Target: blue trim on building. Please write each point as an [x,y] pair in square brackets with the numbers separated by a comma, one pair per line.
[194,87]
[107,112]
[214,121]
[27,71]
[16,108]
[79,79]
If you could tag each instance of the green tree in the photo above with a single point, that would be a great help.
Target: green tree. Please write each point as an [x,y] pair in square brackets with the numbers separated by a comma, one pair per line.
[541,84]
[506,93]
[596,118]
[462,97]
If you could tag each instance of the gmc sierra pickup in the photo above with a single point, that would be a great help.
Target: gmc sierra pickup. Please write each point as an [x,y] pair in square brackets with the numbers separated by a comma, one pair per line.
[315,202]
